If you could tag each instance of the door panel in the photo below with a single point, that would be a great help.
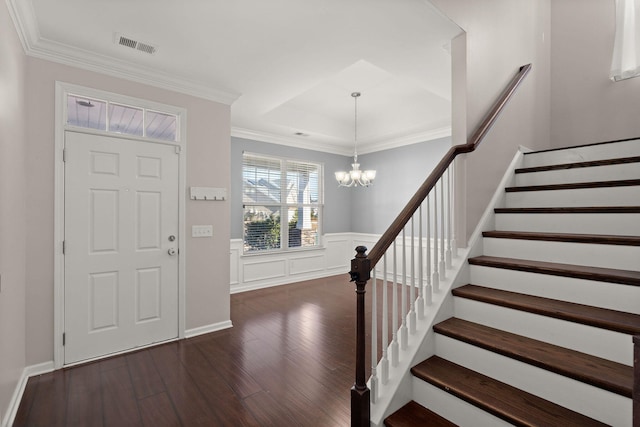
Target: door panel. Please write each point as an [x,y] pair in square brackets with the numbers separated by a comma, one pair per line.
[121,275]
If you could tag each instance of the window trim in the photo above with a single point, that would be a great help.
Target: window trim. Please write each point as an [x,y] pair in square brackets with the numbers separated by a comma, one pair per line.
[284,206]
[125,101]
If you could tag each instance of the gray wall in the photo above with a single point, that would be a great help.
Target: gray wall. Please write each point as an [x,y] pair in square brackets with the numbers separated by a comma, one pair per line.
[400,171]
[337,203]
[585,105]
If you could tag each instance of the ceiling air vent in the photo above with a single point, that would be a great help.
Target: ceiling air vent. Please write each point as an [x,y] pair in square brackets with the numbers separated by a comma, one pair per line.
[135,44]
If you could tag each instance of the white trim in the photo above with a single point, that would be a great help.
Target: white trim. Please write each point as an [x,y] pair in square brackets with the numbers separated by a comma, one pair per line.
[61,91]
[35,45]
[325,147]
[299,142]
[285,267]
[401,141]
[14,403]
[214,327]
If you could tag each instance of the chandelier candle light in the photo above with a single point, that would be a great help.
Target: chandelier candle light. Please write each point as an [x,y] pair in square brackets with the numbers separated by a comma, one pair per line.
[355,176]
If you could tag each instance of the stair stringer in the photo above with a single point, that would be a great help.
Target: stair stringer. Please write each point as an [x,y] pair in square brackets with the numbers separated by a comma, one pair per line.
[398,391]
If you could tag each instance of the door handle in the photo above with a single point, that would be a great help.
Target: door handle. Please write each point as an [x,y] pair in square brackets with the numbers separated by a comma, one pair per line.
[171,251]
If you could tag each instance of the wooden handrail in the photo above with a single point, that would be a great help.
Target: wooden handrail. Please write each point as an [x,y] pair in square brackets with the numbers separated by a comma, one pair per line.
[474,141]
[362,264]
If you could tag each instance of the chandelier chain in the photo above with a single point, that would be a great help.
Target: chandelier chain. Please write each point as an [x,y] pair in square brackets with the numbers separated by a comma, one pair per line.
[355,127]
[355,177]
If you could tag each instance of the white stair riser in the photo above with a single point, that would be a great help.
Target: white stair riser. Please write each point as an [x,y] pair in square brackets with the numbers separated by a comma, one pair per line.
[591,401]
[610,196]
[596,255]
[586,339]
[627,224]
[453,409]
[611,296]
[588,174]
[583,154]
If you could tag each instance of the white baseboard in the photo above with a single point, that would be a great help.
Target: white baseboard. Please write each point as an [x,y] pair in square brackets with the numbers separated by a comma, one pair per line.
[27,372]
[201,330]
[286,281]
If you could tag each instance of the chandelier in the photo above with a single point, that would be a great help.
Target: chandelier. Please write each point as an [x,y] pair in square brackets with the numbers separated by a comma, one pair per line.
[355,176]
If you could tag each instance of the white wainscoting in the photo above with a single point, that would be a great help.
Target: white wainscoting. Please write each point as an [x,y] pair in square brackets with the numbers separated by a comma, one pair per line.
[249,272]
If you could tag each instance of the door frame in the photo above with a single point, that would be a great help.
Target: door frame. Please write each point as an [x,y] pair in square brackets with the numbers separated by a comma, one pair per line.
[63,89]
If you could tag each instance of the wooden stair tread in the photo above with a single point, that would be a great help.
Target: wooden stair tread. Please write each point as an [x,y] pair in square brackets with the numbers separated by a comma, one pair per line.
[610,275]
[602,239]
[575,185]
[575,165]
[589,144]
[566,210]
[598,372]
[414,414]
[613,320]
[502,400]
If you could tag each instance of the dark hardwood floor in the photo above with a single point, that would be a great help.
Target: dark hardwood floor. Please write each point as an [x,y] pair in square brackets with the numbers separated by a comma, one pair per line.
[288,361]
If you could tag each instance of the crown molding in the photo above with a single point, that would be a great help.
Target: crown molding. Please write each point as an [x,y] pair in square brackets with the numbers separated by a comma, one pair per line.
[36,46]
[23,17]
[290,141]
[365,148]
[396,142]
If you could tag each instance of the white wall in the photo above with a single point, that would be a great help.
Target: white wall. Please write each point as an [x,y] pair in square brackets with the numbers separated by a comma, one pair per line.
[585,105]
[12,212]
[501,35]
[208,151]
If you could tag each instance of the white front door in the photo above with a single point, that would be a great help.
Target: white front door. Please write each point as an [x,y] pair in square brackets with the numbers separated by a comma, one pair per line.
[121,244]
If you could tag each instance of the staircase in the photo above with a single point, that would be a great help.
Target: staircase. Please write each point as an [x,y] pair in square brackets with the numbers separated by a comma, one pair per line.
[543,333]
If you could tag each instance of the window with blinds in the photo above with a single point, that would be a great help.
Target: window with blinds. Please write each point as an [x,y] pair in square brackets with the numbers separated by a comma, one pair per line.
[282,201]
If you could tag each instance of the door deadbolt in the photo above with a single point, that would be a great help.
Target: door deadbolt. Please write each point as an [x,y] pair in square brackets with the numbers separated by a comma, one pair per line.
[172,238]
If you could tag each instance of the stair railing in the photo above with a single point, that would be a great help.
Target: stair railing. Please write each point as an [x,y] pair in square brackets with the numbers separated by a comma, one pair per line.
[636,381]
[419,275]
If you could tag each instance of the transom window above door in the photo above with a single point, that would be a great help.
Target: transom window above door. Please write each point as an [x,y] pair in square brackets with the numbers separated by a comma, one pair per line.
[118,118]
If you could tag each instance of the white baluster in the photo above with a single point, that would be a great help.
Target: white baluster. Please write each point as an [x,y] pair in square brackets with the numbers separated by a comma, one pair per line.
[394,310]
[443,270]
[374,337]
[454,244]
[412,295]
[436,276]
[403,329]
[427,290]
[384,362]
[420,301]
[448,254]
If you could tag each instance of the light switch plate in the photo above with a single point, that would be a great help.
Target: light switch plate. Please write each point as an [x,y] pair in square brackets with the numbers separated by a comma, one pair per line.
[202,231]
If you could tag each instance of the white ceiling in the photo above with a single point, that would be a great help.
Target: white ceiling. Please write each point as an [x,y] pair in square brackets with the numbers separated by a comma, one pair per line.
[285,66]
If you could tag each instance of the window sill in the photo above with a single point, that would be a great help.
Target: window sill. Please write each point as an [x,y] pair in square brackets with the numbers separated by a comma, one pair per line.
[282,252]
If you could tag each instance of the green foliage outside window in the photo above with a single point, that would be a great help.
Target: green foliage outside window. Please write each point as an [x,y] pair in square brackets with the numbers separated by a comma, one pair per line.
[263,234]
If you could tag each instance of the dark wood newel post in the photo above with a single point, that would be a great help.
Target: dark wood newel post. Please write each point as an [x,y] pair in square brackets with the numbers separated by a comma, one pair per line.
[360,393]
[636,381]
